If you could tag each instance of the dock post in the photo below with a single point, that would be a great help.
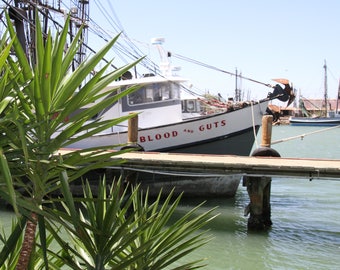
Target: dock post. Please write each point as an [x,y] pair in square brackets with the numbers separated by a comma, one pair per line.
[267,122]
[133,130]
[132,139]
[258,188]
[132,143]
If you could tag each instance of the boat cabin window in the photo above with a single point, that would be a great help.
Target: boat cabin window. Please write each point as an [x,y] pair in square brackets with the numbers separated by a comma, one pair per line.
[154,92]
[191,105]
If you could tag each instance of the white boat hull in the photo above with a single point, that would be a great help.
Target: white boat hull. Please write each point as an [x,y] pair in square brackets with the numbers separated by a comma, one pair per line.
[225,133]
[231,133]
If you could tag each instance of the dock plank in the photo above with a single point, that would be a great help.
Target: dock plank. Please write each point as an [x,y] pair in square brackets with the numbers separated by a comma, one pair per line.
[226,164]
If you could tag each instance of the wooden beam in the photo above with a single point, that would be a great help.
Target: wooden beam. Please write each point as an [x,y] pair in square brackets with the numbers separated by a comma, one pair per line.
[251,166]
[224,164]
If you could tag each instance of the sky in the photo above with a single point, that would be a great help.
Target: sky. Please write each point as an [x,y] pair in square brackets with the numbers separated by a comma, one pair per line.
[261,39]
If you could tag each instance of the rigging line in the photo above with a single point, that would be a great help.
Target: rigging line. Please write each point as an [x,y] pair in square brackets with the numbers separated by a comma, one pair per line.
[253,122]
[133,53]
[304,135]
[122,50]
[332,74]
[107,16]
[120,26]
[99,32]
[136,52]
[72,18]
[57,24]
[186,89]
[218,69]
[310,102]
[130,49]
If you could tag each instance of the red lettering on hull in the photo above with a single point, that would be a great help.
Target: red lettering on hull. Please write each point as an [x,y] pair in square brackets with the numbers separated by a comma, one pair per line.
[172,134]
[158,136]
[213,125]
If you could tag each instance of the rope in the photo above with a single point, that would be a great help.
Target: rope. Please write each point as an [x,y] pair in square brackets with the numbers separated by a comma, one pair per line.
[176,173]
[303,135]
[253,120]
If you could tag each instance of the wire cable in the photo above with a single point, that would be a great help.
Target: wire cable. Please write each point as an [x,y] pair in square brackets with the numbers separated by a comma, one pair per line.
[304,135]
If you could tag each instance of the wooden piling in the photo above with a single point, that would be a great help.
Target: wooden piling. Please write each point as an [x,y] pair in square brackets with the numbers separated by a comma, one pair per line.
[133,130]
[267,121]
[132,143]
[258,188]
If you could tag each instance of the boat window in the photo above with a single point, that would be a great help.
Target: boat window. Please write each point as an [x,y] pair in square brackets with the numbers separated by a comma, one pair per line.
[175,90]
[165,90]
[190,105]
[136,97]
[154,93]
[198,106]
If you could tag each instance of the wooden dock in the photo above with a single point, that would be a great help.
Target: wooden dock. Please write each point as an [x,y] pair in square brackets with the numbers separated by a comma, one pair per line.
[222,165]
[306,168]
[257,170]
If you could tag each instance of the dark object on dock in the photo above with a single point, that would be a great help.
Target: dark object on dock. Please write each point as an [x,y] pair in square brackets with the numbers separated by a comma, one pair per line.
[258,188]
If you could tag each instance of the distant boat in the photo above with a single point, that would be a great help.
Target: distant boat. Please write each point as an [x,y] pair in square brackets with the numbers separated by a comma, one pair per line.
[329,118]
[317,121]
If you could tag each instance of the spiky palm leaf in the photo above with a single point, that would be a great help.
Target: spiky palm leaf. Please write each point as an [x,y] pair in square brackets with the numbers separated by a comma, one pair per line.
[45,96]
[35,102]
[119,228]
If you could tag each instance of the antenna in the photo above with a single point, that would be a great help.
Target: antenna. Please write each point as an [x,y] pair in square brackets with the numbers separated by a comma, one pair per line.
[165,65]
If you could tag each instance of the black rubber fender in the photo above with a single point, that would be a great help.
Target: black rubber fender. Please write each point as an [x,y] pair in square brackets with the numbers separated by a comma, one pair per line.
[265,152]
[133,147]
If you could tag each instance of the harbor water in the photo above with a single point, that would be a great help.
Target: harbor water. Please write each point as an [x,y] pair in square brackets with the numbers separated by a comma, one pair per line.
[305,215]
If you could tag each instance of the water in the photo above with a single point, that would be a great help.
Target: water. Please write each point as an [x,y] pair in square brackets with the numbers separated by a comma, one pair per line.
[305,215]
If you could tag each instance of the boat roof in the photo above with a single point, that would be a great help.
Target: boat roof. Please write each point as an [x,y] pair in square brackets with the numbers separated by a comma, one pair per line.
[186,95]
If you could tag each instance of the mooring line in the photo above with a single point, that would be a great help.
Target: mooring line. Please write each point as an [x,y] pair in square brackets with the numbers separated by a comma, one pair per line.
[304,135]
[253,120]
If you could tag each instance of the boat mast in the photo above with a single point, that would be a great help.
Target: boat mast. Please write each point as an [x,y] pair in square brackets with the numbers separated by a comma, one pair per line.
[236,75]
[325,86]
[81,14]
[24,12]
[337,100]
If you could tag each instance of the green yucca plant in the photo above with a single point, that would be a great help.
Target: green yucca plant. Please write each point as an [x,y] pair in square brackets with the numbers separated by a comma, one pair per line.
[37,261]
[35,101]
[127,230]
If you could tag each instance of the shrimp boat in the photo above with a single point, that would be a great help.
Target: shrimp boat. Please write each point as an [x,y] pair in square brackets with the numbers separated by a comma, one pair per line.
[162,126]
